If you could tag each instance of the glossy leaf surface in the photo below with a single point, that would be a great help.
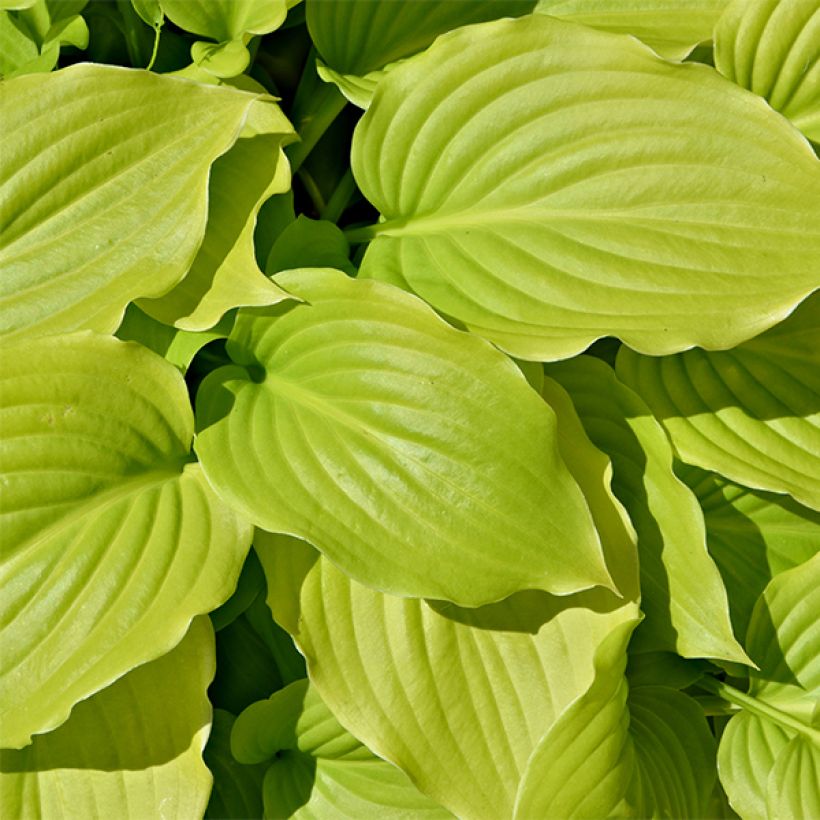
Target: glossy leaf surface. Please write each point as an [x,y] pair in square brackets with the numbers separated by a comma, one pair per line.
[588,189]
[382,435]
[113,540]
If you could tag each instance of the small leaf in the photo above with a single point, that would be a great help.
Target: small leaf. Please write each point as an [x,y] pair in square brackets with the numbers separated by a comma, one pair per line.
[113,540]
[772,47]
[149,11]
[589,189]
[672,29]
[222,59]
[752,413]
[382,435]
[137,743]
[81,147]
[310,243]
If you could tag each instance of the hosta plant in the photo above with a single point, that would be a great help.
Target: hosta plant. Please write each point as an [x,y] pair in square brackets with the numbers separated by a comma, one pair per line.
[410,409]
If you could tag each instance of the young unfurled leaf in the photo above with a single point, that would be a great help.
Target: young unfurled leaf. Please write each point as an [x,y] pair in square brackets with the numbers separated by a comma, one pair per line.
[413,455]
[134,748]
[586,189]
[112,540]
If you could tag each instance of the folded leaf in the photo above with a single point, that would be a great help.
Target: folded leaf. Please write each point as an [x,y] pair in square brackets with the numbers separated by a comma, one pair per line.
[105,175]
[649,756]
[224,274]
[752,413]
[752,535]
[588,189]
[135,747]
[672,29]
[682,592]
[415,456]
[113,540]
[768,757]
[772,47]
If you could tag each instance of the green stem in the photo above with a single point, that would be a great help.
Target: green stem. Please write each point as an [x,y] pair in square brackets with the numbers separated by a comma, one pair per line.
[713,706]
[756,707]
[312,191]
[155,49]
[339,198]
[361,234]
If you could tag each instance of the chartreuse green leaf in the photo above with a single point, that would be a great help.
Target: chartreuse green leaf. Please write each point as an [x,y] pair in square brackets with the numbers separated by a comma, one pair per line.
[310,243]
[462,729]
[772,47]
[134,748]
[769,761]
[672,29]
[751,413]
[223,20]
[752,535]
[648,755]
[104,185]
[237,790]
[224,274]
[317,768]
[588,189]
[363,423]
[112,538]
[682,593]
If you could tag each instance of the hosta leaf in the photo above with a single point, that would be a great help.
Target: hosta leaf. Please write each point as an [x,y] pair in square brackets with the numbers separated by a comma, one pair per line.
[752,535]
[462,729]
[237,791]
[104,184]
[310,243]
[588,189]
[751,413]
[224,274]
[341,777]
[17,46]
[226,19]
[673,29]
[383,436]
[177,346]
[768,753]
[358,36]
[113,540]
[133,748]
[249,587]
[651,755]
[682,592]
[772,47]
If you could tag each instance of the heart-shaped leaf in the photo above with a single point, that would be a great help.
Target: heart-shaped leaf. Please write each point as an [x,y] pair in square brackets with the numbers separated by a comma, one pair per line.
[588,189]
[113,539]
[104,189]
[377,432]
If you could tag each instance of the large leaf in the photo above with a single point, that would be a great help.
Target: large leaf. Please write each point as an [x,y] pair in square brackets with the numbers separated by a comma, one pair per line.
[415,456]
[359,36]
[751,413]
[224,274]
[112,539]
[588,189]
[223,20]
[673,28]
[772,47]
[649,756]
[132,749]
[104,188]
[768,758]
[682,592]
[486,683]
[752,535]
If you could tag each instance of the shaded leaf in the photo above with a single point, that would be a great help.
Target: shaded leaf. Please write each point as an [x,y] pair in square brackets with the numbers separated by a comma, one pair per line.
[310,243]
